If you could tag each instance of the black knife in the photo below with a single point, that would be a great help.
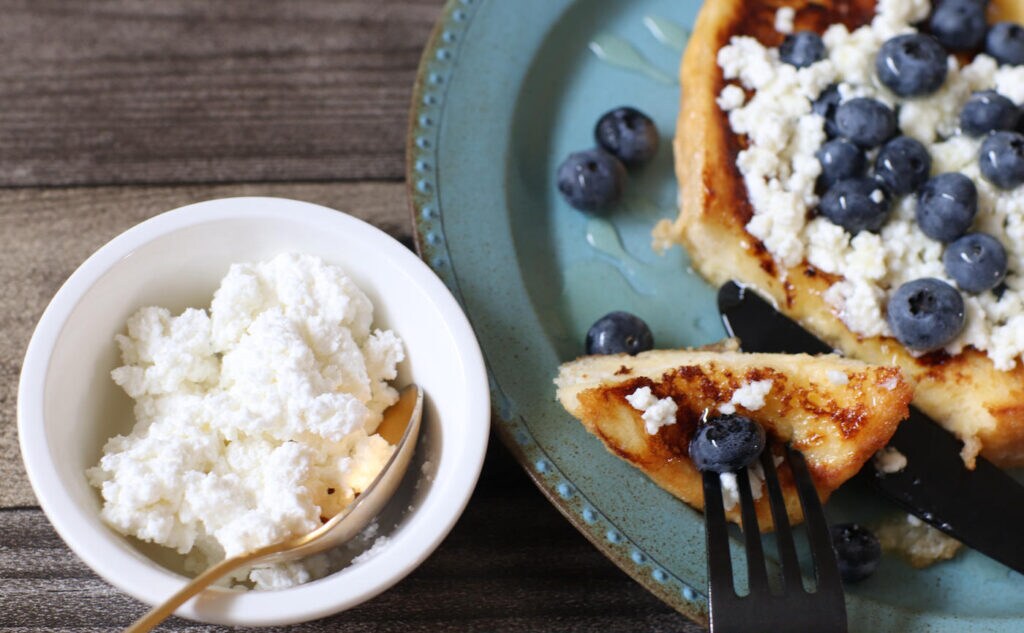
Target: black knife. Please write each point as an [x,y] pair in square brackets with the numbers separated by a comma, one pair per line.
[983,508]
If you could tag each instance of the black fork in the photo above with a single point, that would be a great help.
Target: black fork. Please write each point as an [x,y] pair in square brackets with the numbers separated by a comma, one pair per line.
[795,610]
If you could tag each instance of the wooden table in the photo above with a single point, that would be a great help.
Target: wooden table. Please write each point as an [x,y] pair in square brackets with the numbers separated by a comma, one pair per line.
[112,111]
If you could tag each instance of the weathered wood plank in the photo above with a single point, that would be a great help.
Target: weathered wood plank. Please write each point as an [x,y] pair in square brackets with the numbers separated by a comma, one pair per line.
[47,233]
[192,91]
[511,564]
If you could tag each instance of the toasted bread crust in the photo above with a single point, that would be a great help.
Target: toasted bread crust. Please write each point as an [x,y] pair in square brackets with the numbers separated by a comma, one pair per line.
[965,393]
[836,427]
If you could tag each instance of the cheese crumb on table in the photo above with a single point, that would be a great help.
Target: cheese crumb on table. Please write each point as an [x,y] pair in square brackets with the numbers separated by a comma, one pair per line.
[255,421]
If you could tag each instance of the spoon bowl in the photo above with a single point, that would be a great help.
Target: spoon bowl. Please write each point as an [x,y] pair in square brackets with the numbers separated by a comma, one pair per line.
[400,427]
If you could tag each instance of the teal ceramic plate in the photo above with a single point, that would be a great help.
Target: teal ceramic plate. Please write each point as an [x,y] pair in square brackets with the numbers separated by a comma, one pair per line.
[506,90]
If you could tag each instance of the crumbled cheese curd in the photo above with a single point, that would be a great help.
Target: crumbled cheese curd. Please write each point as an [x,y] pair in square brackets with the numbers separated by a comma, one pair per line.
[917,542]
[890,460]
[253,421]
[750,396]
[731,490]
[784,18]
[730,483]
[656,412]
[780,170]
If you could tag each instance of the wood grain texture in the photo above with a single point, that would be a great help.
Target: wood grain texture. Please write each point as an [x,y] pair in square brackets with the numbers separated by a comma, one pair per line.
[511,564]
[194,91]
[47,233]
[167,101]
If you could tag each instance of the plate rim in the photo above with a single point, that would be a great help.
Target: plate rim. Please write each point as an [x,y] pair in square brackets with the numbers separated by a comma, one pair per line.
[429,100]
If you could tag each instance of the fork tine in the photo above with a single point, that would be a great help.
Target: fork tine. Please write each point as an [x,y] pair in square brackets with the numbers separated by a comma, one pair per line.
[825,566]
[783,533]
[720,582]
[757,572]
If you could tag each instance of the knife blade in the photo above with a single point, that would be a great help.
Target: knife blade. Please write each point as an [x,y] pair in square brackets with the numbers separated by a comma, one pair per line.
[983,508]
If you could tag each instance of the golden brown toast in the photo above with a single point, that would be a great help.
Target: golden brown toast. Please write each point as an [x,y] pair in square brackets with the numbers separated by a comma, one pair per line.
[837,423]
[965,393]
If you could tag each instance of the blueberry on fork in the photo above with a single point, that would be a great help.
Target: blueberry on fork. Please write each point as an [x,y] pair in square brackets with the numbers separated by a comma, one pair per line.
[727,443]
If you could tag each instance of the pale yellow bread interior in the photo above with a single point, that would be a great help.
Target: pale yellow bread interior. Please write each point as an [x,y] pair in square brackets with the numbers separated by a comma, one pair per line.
[965,393]
[837,425]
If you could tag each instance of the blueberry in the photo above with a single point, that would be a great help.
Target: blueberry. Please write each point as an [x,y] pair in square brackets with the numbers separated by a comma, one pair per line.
[825,106]
[926,314]
[947,206]
[858,551]
[857,204]
[726,444]
[619,333]
[1005,42]
[627,134]
[866,122]
[802,49]
[976,262]
[988,111]
[840,160]
[912,65]
[903,165]
[592,180]
[1002,159]
[959,25]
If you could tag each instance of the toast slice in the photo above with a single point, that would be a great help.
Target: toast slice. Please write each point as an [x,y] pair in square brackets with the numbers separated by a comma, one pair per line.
[964,392]
[837,412]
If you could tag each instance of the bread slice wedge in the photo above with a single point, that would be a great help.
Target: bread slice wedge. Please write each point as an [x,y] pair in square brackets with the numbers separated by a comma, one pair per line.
[965,392]
[837,412]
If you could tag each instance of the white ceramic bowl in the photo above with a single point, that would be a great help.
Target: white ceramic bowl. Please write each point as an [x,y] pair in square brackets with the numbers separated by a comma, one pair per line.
[68,406]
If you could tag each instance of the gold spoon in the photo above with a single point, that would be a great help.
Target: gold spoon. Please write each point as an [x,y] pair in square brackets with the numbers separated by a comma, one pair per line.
[400,428]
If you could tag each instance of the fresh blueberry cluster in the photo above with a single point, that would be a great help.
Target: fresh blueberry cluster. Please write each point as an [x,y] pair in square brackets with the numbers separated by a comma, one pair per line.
[593,180]
[858,193]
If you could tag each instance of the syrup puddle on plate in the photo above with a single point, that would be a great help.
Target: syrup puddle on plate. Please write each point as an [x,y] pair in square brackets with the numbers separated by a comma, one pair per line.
[619,53]
[604,238]
[667,32]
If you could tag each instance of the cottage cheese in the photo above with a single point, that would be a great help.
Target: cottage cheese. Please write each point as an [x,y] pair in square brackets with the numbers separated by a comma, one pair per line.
[890,460]
[254,421]
[750,396]
[784,18]
[656,412]
[731,490]
[779,168]
[755,474]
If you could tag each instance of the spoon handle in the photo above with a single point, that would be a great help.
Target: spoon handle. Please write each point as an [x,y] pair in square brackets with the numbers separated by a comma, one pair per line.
[161,612]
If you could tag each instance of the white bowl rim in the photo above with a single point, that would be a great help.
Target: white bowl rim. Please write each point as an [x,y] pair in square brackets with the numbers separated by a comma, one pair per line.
[152,584]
